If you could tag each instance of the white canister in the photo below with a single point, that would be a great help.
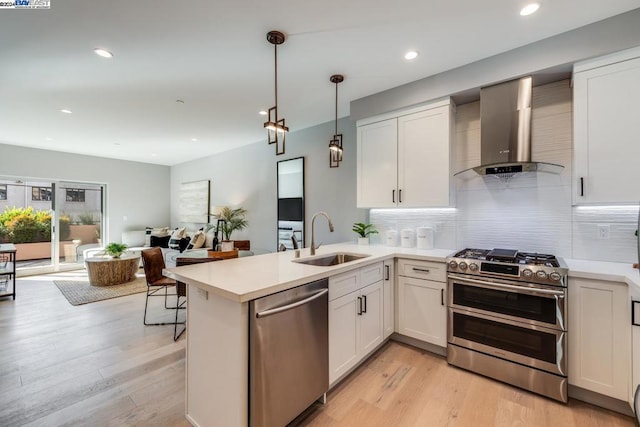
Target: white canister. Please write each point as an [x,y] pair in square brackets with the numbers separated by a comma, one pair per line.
[406,236]
[424,237]
[392,238]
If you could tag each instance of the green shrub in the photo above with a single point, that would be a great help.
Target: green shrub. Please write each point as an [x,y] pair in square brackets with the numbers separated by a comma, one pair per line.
[86,218]
[65,227]
[24,225]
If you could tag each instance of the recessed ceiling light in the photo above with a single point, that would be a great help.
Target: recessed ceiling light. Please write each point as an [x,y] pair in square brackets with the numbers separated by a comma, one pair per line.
[103,52]
[116,143]
[529,9]
[64,110]
[48,138]
[262,113]
[412,54]
[194,139]
[153,154]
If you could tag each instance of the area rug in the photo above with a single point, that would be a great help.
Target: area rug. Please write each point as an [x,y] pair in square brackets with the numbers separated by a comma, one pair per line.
[79,292]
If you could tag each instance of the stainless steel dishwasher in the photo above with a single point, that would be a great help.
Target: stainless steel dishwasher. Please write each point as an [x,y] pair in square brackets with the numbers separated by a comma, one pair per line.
[288,353]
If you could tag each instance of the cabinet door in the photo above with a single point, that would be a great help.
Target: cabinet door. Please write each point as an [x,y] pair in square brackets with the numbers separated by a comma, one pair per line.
[423,158]
[377,159]
[343,335]
[606,145]
[599,337]
[371,318]
[388,299]
[422,313]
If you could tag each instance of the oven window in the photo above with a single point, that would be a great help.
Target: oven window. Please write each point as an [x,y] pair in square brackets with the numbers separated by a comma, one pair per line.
[535,344]
[504,302]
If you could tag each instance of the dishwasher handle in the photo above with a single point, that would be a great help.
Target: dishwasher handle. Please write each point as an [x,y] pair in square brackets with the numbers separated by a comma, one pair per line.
[293,305]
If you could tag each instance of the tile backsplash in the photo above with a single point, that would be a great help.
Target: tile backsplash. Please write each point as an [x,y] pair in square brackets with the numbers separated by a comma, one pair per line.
[529,212]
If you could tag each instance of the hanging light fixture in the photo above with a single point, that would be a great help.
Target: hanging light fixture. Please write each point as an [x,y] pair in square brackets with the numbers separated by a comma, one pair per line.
[335,145]
[276,128]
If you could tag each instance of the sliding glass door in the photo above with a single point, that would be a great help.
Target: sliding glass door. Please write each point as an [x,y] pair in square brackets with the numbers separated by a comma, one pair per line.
[50,222]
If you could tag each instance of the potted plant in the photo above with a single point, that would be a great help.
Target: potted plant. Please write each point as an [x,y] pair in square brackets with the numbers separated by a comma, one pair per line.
[234,219]
[115,249]
[364,230]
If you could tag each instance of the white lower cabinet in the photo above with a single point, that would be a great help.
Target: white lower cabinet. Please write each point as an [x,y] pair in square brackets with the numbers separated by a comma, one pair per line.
[355,319]
[599,337]
[422,309]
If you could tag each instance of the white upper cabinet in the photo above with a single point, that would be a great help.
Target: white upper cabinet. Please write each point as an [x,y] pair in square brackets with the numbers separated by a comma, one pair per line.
[606,141]
[404,159]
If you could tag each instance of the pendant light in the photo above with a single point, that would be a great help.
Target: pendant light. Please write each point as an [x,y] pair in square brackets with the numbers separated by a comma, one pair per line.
[276,128]
[335,145]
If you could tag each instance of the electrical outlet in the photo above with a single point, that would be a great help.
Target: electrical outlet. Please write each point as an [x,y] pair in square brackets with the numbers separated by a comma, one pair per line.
[203,294]
[604,231]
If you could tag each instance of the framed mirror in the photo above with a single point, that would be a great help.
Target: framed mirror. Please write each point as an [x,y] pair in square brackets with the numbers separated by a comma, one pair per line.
[291,202]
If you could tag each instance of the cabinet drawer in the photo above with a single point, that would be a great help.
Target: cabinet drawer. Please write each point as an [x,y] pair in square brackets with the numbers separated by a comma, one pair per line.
[371,274]
[343,284]
[422,269]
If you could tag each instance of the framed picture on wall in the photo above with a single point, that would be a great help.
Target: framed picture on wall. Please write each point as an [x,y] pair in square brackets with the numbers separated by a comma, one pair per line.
[193,204]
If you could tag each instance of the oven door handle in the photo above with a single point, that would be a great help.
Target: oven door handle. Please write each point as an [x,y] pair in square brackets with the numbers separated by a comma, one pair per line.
[519,289]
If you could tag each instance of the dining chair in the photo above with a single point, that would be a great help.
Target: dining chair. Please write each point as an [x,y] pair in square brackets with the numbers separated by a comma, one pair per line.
[153,263]
[181,289]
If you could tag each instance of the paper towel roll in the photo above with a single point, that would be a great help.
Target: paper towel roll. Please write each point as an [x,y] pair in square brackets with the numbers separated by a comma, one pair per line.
[392,238]
[406,236]
[424,237]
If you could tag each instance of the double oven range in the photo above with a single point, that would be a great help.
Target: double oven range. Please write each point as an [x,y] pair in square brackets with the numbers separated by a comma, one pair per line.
[507,318]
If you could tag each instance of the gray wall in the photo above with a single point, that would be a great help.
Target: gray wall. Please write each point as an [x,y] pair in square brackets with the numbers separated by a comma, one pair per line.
[135,190]
[552,54]
[247,177]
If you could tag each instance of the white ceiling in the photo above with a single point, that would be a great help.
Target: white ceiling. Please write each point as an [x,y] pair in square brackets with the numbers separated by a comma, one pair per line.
[215,57]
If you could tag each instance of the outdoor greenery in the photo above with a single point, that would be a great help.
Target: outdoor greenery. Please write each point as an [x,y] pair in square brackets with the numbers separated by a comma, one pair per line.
[364,230]
[86,218]
[27,225]
[234,220]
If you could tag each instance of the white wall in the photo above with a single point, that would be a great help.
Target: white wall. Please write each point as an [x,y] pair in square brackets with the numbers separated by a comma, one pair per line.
[247,177]
[138,191]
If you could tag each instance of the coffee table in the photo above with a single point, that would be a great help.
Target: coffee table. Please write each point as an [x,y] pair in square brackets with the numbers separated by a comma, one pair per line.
[107,271]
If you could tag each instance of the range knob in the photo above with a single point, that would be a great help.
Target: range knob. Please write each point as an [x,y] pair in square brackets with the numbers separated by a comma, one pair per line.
[555,276]
[462,265]
[541,274]
[453,264]
[527,273]
[473,266]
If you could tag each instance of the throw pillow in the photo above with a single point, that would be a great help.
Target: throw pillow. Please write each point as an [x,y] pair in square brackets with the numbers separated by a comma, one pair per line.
[197,241]
[208,243]
[157,232]
[162,242]
[176,236]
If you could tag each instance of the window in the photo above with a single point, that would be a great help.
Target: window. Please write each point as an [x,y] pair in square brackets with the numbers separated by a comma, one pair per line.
[75,195]
[3,191]
[41,194]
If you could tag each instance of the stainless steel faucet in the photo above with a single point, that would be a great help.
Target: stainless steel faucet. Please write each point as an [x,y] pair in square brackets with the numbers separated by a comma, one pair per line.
[313,243]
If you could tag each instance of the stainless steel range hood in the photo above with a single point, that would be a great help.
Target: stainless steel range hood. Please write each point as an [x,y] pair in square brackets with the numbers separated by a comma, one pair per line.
[505,132]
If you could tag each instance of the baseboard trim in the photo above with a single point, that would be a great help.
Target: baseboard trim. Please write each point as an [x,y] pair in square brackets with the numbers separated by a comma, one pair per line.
[600,400]
[431,348]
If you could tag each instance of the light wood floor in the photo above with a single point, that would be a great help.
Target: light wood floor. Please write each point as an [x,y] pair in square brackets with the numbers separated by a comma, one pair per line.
[98,365]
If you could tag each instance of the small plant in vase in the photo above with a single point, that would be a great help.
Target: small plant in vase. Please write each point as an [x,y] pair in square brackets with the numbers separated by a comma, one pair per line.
[364,230]
[114,250]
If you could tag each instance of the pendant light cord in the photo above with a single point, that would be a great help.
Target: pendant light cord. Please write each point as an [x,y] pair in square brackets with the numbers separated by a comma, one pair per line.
[336,132]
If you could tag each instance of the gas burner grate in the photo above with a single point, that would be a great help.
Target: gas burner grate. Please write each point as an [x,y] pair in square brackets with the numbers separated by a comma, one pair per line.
[537,259]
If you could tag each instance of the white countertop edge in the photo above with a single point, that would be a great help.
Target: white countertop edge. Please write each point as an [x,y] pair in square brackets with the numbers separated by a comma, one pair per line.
[604,270]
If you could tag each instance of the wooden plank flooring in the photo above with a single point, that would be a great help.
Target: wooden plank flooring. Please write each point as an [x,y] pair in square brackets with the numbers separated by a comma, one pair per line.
[98,365]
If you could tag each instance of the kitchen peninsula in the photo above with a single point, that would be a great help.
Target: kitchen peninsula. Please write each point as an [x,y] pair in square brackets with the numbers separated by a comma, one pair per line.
[217,376]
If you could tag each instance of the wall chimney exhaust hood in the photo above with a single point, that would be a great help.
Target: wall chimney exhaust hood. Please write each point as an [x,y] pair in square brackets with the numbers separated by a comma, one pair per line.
[505,132]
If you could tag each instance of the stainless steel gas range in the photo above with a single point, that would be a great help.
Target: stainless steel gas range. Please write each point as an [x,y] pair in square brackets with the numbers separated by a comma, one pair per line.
[507,318]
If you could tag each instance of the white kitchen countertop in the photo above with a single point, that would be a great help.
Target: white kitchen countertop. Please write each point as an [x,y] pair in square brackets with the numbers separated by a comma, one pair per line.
[247,278]
[601,270]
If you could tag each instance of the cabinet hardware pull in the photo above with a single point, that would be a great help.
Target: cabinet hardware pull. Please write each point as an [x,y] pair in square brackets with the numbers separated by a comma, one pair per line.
[359,306]
[400,196]
[421,270]
[364,298]
[292,305]
[442,296]
[393,196]
[634,321]
[386,272]
[581,186]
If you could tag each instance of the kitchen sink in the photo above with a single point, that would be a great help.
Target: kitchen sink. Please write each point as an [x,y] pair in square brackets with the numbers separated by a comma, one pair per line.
[330,259]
